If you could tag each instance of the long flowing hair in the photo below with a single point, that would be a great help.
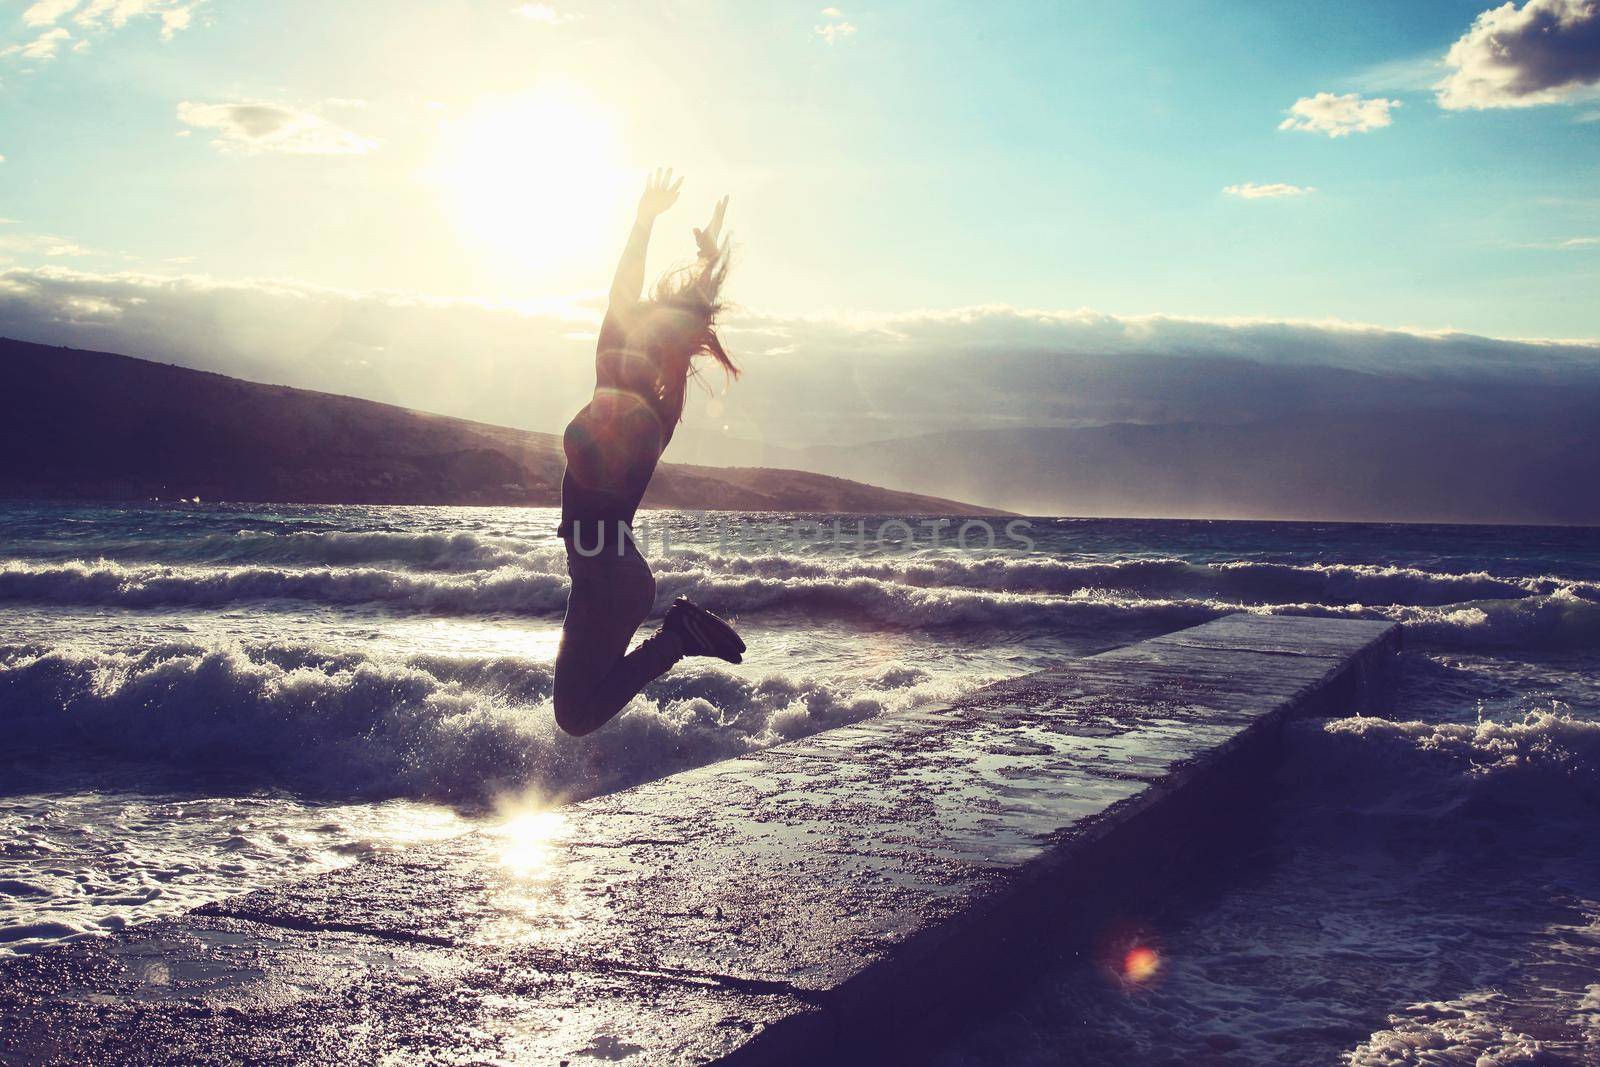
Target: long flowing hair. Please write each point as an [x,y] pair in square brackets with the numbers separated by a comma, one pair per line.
[685,305]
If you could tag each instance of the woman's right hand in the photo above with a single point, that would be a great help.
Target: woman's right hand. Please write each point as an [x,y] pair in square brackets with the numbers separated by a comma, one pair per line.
[660,193]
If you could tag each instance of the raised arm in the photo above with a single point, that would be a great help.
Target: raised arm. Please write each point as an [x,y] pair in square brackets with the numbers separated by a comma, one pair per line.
[660,193]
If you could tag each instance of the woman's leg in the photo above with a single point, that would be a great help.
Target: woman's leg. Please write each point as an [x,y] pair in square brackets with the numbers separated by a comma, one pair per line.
[594,678]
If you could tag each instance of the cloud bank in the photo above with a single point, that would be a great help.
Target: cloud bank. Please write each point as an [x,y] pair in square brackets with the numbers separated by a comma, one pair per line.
[809,380]
[1545,52]
[1338,116]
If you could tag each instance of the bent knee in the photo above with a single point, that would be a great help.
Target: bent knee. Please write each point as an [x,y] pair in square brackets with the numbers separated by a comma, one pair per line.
[574,717]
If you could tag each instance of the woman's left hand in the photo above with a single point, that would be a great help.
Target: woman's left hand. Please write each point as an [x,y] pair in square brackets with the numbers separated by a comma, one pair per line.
[708,238]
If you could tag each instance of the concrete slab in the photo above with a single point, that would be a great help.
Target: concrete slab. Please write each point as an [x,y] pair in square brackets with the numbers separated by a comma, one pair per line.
[775,908]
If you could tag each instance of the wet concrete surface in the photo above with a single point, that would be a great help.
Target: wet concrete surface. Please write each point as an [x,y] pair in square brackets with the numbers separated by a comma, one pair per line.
[797,905]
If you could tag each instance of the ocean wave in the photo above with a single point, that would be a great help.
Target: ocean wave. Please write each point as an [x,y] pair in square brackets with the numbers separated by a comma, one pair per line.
[1547,745]
[1561,619]
[459,729]
[439,550]
[456,551]
[1244,581]
[522,591]
[1558,620]
[507,589]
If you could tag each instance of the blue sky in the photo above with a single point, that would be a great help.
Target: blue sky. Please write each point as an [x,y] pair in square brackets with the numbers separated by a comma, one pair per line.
[946,216]
[1056,155]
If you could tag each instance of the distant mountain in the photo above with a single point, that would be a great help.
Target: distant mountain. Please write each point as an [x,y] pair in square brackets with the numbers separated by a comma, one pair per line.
[1422,465]
[93,425]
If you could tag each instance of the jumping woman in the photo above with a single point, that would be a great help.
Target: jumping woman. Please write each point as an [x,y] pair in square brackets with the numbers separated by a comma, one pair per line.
[647,351]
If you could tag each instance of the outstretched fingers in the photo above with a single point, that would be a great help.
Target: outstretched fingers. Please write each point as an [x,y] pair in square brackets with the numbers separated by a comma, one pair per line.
[660,192]
[661,181]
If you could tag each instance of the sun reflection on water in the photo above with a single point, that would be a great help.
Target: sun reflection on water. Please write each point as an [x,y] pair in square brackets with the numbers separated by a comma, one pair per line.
[525,839]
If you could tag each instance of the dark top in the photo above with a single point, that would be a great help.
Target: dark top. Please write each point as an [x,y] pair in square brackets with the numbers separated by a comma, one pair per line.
[614,443]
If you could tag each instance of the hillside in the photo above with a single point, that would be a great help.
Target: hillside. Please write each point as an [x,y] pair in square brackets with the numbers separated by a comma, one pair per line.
[94,425]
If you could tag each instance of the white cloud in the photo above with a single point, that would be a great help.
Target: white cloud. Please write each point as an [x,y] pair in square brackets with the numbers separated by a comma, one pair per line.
[836,28]
[42,48]
[39,244]
[256,127]
[1338,116]
[45,12]
[544,14]
[1545,52]
[175,15]
[1270,191]
[94,16]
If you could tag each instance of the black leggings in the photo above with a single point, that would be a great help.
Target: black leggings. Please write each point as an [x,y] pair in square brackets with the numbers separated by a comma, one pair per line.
[596,675]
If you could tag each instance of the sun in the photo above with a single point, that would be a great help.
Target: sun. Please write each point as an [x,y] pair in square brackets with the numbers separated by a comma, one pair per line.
[534,180]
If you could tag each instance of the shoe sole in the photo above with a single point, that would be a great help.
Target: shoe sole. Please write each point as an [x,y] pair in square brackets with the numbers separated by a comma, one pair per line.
[712,632]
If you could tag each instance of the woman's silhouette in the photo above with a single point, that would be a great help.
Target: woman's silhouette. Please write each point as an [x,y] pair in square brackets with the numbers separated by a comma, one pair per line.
[645,355]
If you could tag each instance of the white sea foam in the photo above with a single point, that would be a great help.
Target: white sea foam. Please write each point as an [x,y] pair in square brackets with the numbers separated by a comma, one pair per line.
[462,729]
[1467,1031]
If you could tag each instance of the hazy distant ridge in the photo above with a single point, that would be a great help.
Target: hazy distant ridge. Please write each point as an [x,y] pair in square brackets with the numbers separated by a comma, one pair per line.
[96,425]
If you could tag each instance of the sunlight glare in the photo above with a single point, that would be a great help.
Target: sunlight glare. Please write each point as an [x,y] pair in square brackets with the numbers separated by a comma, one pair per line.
[526,836]
[532,179]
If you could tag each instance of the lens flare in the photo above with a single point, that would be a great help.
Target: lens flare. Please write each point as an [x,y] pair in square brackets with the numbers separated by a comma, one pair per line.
[1140,963]
[1129,956]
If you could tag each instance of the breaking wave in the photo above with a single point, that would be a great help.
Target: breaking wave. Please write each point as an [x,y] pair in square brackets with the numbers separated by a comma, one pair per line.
[1548,746]
[438,727]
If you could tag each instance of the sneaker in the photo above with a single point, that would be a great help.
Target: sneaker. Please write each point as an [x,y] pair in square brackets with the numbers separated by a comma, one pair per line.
[703,634]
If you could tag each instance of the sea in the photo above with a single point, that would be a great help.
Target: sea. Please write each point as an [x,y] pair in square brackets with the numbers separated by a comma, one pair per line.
[198,699]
